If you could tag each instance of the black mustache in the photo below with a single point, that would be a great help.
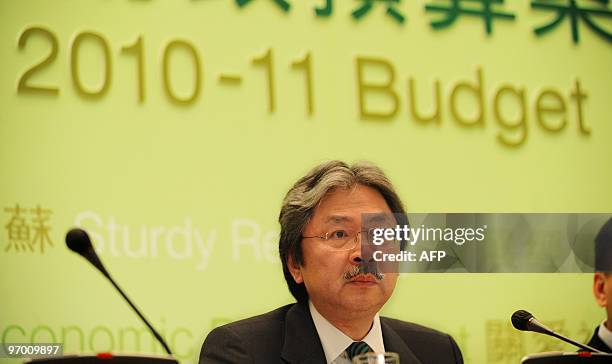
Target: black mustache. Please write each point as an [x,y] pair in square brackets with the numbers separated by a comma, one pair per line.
[363,269]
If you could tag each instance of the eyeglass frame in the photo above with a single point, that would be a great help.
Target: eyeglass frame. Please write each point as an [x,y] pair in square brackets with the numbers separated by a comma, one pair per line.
[325,238]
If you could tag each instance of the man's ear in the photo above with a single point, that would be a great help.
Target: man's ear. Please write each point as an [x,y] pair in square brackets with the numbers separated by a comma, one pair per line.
[599,289]
[295,270]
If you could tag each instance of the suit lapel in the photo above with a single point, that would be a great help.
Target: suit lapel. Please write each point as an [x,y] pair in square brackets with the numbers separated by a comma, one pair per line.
[597,343]
[394,343]
[302,344]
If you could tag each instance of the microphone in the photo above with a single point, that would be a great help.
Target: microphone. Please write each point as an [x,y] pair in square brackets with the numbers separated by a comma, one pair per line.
[78,241]
[524,321]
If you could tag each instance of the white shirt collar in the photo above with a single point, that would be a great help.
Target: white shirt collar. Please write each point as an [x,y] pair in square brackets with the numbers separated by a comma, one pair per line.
[334,341]
[605,334]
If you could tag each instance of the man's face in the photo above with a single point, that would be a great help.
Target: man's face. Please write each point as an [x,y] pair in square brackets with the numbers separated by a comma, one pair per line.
[324,269]
[602,289]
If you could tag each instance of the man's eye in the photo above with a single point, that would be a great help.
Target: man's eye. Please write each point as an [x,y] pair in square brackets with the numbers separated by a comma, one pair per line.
[338,234]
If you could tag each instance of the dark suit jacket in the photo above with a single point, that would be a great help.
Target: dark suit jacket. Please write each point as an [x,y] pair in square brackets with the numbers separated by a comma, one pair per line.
[288,335]
[597,343]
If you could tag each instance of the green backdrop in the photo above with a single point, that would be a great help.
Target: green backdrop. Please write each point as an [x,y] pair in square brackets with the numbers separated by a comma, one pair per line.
[172,129]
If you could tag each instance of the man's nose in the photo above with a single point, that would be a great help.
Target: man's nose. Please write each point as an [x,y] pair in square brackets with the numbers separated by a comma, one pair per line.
[355,255]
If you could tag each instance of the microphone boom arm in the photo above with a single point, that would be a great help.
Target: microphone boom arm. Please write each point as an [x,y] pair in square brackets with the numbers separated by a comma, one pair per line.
[155,333]
[78,241]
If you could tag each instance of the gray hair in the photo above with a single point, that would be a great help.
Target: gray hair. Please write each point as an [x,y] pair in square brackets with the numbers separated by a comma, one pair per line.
[303,198]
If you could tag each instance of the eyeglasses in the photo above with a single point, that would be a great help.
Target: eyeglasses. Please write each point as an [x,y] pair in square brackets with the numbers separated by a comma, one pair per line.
[343,239]
[340,239]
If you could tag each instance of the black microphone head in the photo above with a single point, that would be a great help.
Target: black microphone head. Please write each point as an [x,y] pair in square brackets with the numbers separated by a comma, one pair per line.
[78,241]
[520,320]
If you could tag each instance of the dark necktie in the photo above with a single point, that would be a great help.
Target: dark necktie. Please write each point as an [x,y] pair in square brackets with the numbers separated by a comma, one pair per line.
[357,348]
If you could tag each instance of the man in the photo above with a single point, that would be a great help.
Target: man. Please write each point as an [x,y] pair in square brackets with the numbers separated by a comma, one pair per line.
[602,287]
[338,300]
